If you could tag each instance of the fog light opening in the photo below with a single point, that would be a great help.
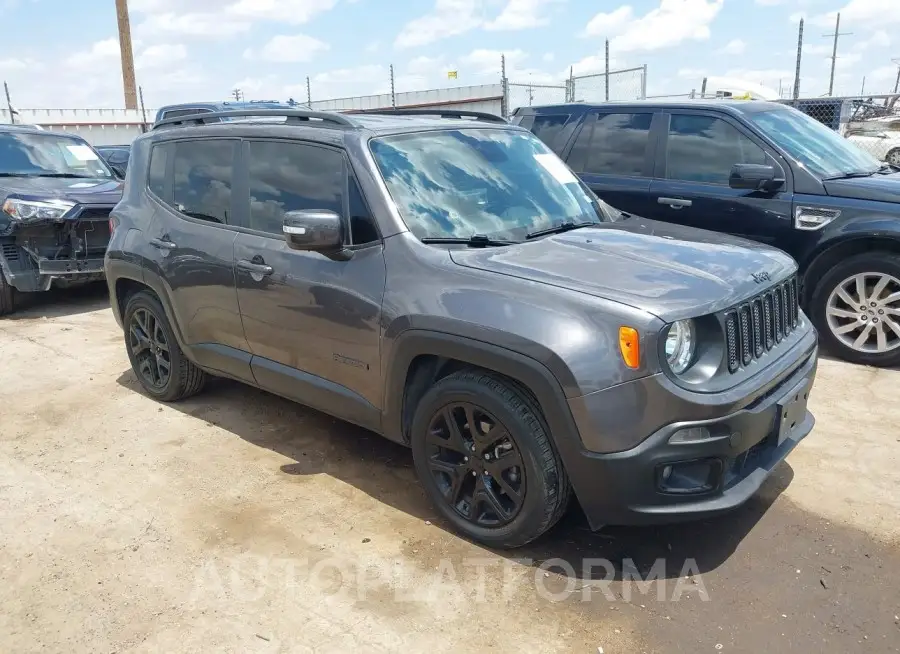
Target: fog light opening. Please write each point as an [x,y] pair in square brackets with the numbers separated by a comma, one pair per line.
[690,435]
[689,477]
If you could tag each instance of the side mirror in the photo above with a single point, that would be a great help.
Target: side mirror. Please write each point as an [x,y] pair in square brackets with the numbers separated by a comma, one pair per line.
[754,177]
[315,230]
[118,170]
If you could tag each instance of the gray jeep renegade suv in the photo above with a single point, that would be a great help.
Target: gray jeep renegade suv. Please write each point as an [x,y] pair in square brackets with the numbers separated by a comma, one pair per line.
[443,279]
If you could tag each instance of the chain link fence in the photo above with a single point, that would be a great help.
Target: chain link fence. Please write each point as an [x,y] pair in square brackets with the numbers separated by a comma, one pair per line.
[615,86]
[528,95]
[870,122]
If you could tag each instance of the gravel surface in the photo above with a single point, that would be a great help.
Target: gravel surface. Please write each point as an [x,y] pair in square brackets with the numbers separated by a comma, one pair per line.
[239,522]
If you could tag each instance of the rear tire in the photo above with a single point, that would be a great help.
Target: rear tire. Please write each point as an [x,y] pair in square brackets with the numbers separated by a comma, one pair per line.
[7,296]
[859,329]
[157,360]
[502,485]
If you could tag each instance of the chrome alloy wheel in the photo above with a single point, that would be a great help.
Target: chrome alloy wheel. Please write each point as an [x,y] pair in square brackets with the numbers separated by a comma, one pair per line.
[863,312]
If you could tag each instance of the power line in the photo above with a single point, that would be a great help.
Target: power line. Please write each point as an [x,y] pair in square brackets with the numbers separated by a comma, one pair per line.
[837,33]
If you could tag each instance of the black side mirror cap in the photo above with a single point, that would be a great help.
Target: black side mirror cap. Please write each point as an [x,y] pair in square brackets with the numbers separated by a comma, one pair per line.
[315,230]
[754,177]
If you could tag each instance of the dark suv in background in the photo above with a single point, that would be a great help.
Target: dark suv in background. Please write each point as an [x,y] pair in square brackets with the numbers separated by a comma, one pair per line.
[446,281]
[760,170]
[56,193]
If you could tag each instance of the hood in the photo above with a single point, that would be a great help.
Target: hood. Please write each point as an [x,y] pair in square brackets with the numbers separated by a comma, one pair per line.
[668,270]
[76,189]
[878,188]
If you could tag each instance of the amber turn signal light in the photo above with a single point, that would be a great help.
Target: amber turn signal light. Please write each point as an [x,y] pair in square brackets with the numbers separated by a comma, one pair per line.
[629,346]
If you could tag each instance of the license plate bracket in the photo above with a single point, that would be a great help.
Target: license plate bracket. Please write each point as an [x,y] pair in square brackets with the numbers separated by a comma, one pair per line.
[792,411]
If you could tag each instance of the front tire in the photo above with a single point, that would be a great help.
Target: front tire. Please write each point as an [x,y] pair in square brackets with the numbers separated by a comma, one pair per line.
[856,306]
[156,358]
[893,157]
[483,452]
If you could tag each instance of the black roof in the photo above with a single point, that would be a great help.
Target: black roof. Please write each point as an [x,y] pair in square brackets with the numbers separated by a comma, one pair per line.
[727,104]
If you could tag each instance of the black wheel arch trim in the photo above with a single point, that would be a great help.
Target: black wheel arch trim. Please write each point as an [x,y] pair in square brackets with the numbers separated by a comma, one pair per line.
[536,377]
[851,234]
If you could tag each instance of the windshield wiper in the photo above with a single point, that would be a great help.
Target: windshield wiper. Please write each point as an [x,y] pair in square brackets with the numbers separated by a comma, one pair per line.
[75,175]
[17,175]
[852,174]
[474,241]
[559,229]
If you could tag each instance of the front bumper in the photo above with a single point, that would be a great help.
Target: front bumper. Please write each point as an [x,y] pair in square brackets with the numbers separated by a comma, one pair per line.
[747,443]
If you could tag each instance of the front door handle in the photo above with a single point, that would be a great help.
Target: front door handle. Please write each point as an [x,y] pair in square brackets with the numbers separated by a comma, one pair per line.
[675,203]
[162,244]
[255,268]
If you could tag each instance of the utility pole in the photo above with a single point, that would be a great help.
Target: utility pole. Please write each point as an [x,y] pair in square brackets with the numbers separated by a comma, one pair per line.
[393,91]
[837,33]
[12,112]
[606,68]
[897,83]
[131,101]
[237,94]
[308,94]
[796,93]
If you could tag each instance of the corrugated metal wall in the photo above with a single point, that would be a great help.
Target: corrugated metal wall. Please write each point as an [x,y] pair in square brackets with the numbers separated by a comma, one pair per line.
[121,126]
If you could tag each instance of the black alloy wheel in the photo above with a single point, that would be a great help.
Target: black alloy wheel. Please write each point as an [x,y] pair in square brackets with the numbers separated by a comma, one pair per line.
[475,464]
[150,348]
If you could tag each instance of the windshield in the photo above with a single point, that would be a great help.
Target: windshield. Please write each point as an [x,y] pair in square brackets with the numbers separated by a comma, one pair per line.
[821,150]
[499,183]
[40,155]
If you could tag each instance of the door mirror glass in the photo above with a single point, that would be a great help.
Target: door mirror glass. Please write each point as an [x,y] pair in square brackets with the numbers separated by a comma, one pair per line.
[118,170]
[754,177]
[317,230]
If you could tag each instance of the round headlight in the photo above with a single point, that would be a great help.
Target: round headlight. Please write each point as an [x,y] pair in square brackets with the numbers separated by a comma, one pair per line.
[680,345]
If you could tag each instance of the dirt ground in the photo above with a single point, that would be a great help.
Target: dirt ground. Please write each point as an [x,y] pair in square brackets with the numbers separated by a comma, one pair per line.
[240,522]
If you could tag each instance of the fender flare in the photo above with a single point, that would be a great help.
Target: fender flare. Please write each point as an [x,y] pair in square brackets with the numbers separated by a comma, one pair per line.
[529,372]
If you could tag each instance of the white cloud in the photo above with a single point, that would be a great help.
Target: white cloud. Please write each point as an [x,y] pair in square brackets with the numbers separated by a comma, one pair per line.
[769,3]
[770,77]
[197,25]
[99,53]
[161,55]
[690,72]
[734,47]
[875,13]
[607,24]
[288,49]
[548,57]
[14,64]
[447,18]
[282,11]
[673,22]
[521,14]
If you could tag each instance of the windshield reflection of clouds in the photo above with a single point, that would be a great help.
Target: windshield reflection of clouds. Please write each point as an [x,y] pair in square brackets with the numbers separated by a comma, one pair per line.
[456,183]
[821,150]
[41,154]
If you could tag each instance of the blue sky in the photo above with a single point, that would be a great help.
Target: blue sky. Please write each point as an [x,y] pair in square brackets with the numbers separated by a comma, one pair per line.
[59,53]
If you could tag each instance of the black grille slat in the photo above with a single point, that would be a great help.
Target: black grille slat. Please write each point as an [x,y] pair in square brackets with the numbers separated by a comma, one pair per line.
[731,341]
[757,326]
[769,321]
[777,315]
[746,337]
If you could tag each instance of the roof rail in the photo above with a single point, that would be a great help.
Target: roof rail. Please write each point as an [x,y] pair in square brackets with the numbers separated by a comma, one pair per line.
[290,116]
[443,113]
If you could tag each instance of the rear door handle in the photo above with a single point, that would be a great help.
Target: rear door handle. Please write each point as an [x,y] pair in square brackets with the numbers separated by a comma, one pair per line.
[675,203]
[252,267]
[162,244]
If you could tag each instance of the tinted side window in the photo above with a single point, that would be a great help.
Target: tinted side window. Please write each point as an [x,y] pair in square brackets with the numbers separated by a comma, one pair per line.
[548,128]
[291,177]
[156,181]
[362,224]
[612,144]
[703,149]
[203,173]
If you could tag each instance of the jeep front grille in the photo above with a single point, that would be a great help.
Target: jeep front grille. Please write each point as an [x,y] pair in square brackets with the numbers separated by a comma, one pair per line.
[761,323]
